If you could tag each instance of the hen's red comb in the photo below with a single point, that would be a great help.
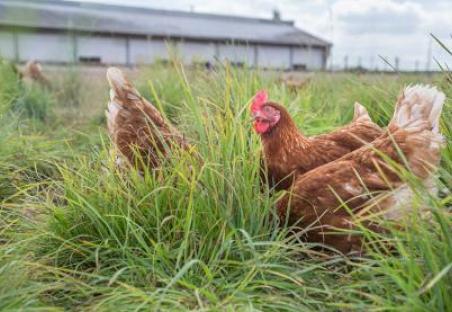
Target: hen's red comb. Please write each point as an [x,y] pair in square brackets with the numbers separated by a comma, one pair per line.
[260,99]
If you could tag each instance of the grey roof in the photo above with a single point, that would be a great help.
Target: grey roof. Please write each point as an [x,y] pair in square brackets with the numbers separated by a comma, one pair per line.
[114,19]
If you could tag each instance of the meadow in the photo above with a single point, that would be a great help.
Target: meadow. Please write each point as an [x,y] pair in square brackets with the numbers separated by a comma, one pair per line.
[76,233]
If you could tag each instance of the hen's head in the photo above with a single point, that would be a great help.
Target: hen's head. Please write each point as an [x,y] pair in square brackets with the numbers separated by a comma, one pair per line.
[266,115]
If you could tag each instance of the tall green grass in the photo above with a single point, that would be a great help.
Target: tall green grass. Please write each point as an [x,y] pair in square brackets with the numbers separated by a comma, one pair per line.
[198,234]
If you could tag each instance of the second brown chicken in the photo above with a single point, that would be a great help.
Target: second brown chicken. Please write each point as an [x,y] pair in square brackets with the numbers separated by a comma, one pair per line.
[353,189]
[288,153]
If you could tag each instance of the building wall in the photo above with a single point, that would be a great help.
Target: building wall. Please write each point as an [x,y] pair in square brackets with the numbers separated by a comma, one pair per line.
[312,58]
[318,59]
[7,49]
[274,57]
[110,50]
[62,48]
[144,51]
[301,57]
[190,52]
[45,47]
[237,53]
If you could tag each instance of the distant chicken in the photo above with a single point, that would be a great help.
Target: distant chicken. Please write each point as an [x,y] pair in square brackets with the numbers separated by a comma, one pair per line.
[294,83]
[316,200]
[138,130]
[287,152]
[32,73]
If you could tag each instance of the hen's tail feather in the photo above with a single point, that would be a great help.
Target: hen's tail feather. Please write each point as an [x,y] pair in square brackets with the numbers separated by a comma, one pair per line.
[118,83]
[123,94]
[135,126]
[360,114]
[419,108]
[120,86]
[417,116]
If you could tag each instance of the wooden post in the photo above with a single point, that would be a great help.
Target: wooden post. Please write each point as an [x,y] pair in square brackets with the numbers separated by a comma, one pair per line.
[291,58]
[256,56]
[217,50]
[128,57]
[74,47]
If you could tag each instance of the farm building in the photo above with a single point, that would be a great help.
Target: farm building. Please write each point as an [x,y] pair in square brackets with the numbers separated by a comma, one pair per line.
[67,31]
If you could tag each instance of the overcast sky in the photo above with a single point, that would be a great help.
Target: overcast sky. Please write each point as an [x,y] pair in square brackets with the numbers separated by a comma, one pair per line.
[359,29]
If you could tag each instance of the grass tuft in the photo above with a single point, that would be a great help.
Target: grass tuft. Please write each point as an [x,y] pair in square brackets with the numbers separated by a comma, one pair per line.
[77,234]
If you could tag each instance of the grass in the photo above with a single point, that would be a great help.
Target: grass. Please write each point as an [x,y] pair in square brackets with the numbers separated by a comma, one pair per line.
[76,234]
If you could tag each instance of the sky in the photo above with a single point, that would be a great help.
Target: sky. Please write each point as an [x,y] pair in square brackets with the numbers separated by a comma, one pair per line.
[362,31]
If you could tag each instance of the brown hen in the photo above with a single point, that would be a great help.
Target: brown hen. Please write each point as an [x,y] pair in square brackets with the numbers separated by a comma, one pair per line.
[32,73]
[287,152]
[138,130]
[317,198]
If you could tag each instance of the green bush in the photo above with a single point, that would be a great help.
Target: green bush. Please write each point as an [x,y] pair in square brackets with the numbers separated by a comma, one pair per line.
[10,88]
[34,102]
[69,88]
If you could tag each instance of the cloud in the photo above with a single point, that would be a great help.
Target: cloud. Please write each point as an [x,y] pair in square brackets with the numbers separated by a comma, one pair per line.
[378,17]
[366,29]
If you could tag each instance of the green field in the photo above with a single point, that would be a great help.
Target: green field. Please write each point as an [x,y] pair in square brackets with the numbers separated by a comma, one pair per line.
[78,234]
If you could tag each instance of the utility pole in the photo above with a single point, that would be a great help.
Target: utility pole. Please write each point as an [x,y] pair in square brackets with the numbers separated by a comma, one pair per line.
[429,55]
[330,13]
[346,62]
[276,15]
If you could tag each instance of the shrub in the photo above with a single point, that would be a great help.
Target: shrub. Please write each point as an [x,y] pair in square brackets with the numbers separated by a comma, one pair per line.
[34,102]
[10,87]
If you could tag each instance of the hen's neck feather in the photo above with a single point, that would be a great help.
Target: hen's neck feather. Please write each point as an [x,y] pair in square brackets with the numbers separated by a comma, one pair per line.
[284,136]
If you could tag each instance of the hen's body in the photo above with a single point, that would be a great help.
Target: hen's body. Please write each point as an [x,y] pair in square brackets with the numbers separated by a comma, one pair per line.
[288,153]
[316,197]
[136,127]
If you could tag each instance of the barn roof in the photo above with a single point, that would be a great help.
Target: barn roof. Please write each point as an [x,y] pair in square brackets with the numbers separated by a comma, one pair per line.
[126,20]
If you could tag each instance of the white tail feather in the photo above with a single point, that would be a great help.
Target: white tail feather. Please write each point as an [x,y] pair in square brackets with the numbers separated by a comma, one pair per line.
[115,78]
[419,108]
[360,113]
[120,91]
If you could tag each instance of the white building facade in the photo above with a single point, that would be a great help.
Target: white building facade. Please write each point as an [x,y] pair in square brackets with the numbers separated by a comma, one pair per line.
[66,32]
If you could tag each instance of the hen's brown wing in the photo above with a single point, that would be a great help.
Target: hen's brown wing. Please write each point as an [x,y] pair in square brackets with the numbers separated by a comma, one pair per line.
[354,135]
[287,152]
